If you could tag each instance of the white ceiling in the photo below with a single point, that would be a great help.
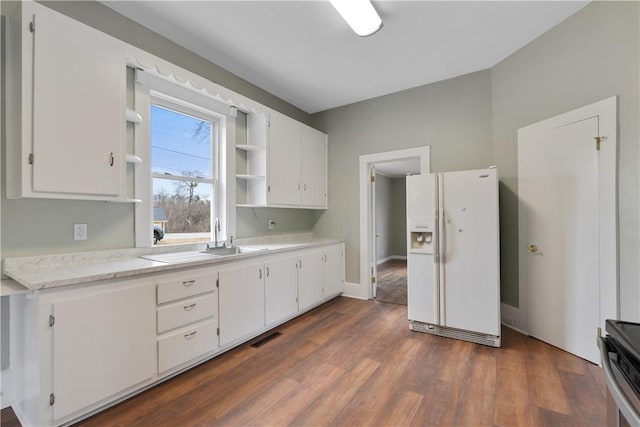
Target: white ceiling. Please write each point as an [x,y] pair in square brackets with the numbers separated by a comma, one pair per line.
[304,53]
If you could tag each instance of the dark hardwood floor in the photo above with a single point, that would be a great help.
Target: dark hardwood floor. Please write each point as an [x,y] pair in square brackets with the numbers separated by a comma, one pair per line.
[392,282]
[352,362]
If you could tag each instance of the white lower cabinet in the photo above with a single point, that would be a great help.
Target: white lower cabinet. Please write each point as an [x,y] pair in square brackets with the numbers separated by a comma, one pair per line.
[241,287]
[310,281]
[187,317]
[333,269]
[187,344]
[88,345]
[320,274]
[102,344]
[281,288]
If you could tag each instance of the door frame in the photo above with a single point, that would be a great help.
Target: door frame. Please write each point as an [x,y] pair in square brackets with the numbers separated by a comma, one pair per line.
[367,253]
[607,112]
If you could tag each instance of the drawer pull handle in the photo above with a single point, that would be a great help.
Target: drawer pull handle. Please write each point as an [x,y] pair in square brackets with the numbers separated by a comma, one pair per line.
[260,274]
[190,306]
[190,335]
[189,283]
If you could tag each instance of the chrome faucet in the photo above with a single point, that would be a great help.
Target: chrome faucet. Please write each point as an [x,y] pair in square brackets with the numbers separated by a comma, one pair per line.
[216,228]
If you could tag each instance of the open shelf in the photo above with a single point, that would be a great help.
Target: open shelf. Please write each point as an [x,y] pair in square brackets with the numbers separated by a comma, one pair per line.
[249,147]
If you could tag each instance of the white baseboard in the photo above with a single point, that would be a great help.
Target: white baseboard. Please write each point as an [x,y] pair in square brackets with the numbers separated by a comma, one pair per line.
[511,317]
[354,290]
[389,258]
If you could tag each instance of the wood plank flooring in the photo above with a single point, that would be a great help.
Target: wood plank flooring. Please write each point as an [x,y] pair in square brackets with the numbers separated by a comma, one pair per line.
[392,282]
[355,363]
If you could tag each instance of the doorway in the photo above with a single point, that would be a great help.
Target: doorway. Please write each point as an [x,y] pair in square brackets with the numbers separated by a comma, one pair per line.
[567,226]
[390,229]
[388,165]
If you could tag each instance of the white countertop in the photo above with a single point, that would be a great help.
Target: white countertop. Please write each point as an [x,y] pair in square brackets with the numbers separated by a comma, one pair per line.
[49,271]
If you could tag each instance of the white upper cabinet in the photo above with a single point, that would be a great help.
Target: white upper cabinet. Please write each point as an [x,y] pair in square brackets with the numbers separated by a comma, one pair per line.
[283,184]
[67,87]
[313,168]
[295,164]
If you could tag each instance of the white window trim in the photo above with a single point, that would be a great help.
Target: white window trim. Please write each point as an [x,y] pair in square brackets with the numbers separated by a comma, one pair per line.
[148,89]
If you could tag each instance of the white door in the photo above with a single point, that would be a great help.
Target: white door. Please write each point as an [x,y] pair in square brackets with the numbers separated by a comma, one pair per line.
[469,254]
[559,234]
[423,303]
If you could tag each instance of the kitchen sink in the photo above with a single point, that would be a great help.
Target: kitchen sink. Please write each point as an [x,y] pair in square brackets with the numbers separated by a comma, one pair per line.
[224,251]
[178,257]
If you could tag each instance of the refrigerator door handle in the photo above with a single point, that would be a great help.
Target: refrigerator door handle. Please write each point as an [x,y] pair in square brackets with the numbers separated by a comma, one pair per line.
[441,266]
[436,264]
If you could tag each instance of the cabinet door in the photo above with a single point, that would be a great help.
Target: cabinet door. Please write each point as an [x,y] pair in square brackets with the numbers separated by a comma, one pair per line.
[313,161]
[333,270]
[310,279]
[283,184]
[241,301]
[281,288]
[79,108]
[102,344]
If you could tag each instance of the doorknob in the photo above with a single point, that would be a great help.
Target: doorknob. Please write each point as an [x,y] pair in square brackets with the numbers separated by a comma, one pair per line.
[533,248]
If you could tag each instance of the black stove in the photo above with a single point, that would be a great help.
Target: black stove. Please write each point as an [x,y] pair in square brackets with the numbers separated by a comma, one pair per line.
[620,352]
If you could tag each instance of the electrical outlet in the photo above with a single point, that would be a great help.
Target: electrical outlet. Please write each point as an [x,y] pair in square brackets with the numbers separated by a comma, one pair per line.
[79,231]
[272,224]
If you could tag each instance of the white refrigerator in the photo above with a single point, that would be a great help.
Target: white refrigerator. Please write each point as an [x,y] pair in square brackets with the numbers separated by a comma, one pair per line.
[453,255]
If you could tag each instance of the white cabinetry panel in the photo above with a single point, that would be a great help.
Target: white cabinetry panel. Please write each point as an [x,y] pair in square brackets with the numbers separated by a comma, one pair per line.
[281,288]
[313,162]
[333,270]
[79,108]
[102,344]
[310,281]
[67,83]
[283,185]
[186,284]
[178,348]
[241,294]
[187,311]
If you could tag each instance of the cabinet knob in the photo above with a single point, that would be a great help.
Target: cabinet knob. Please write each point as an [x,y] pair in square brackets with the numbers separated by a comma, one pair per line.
[111,159]
[267,271]
[259,273]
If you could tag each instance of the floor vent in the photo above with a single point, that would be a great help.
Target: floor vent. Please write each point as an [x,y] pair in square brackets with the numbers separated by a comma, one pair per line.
[263,341]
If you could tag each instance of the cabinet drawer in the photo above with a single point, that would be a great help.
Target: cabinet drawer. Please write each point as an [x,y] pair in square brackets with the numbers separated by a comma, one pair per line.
[185,287]
[186,345]
[188,311]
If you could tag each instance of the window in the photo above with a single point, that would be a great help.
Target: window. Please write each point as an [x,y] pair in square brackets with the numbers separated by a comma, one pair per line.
[184,169]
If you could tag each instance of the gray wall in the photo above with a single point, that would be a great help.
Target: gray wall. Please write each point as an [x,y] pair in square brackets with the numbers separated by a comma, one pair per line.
[471,122]
[398,240]
[383,217]
[34,227]
[591,56]
[391,217]
[452,116]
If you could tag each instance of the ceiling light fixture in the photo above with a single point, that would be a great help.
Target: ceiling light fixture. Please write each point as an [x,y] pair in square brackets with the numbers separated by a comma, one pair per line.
[360,15]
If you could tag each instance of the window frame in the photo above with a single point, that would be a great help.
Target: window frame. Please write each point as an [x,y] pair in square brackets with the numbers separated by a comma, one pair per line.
[151,89]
